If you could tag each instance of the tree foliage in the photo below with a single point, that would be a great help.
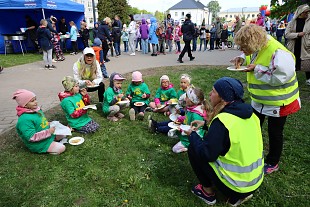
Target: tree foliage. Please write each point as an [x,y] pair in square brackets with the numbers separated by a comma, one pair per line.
[214,8]
[160,16]
[283,7]
[113,7]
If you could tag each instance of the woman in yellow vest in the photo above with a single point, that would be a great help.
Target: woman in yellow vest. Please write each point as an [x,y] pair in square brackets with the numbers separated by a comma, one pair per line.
[230,155]
[88,73]
[272,84]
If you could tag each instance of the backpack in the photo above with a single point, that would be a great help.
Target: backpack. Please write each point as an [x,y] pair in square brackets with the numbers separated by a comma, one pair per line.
[158,31]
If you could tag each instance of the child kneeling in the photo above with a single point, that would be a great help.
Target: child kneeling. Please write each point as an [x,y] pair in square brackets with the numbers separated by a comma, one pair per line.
[112,96]
[72,102]
[32,126]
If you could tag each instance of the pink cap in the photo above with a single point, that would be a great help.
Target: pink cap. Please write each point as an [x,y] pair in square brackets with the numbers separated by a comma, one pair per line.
[118,77]
[23,96]
[136,76]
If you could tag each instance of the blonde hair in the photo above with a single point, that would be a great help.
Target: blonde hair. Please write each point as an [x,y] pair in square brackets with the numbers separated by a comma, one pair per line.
[72,22]
[213,111]
[43,22]
[252,37]
[201,97]
[82,69]
[107,20]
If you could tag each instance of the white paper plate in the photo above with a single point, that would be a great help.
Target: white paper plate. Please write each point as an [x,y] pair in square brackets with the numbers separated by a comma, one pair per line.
[173,125]
[232,68]
[123,102]
[174,117]
[76,140]
[162,106]
[185,127]
[94,86]
[139,103]
[90,107]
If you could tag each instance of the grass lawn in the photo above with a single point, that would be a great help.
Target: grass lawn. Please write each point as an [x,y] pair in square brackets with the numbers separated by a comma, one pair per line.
[124,165]
[9,60]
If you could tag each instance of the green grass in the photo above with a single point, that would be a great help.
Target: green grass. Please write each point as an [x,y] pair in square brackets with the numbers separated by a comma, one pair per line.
[10,60]
[124,162]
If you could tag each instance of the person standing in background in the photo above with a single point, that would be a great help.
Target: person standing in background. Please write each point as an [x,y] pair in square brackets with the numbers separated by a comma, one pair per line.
[104,35]
[132,35]
[219,28]
[84,33]
[118,22]
[298,35]
[188,31]
[31,32]
[63,29]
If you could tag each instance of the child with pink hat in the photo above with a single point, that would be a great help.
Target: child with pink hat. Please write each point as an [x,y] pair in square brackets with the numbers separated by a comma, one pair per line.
[138,93]
[32,126]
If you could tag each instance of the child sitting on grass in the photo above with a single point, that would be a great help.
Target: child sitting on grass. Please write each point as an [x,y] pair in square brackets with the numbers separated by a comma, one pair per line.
[138,93]
[72,102]
[163,96]
[195,110]
[113,95]
[185,83]
[32,126]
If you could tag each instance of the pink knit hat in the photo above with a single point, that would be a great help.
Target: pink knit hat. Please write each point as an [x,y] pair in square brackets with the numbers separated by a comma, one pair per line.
[136,76]
[23,96]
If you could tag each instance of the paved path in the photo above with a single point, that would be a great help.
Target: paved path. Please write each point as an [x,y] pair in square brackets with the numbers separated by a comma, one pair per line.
[47,83]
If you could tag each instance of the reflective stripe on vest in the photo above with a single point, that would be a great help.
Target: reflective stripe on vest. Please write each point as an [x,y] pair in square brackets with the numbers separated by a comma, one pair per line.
[241,169]
[264,93]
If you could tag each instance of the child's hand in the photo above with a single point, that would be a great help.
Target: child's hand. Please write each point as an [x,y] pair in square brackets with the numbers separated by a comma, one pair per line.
[158,105]
[52,130]
[144,95]
[195,125]
[83,91]
[120,95]
[88,82]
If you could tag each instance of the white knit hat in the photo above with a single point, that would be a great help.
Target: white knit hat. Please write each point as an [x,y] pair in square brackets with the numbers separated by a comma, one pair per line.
[164,77]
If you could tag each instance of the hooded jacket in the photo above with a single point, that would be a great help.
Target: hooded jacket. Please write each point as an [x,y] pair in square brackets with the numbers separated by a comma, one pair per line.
[217,142]
[152,31]
[104,32]
[292,35]
[44,38]
[144,30]
[188,30]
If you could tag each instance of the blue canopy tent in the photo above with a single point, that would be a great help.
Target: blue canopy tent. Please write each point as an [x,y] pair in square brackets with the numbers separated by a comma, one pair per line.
[12,14]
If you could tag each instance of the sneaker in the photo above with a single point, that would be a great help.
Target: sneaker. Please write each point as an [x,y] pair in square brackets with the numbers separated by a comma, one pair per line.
[112,118]
[200,193]
[72,53]
[179,147]
[180,60]
[308,82]
[132,114]
[54,61]
[46,66]
[191,58]
[133,54]
[270,168]
[148,109]
[119,115]
[152,126]
[51,67]
[240,201]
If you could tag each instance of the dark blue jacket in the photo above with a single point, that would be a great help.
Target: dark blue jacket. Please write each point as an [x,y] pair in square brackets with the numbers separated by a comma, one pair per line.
[216,142]
[104,32]
[188,30]
[44,38]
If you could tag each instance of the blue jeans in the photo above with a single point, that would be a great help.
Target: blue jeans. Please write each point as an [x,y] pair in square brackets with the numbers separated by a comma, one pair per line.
[212,43]
[104,71]
[179,46]
[162,127]
[203,40]
[117,48]
[144,44]
[194,44]
[125,46]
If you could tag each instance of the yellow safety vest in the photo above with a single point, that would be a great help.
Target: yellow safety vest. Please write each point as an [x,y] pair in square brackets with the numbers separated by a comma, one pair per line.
[241,169]
[87,75]
[264,93]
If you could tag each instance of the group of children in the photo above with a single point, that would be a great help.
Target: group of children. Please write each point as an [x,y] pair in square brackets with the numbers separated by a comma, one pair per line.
[36,133]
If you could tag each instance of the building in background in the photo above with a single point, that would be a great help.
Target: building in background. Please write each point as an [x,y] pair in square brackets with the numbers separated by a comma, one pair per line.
[89,17]
[249,13]
[197,10]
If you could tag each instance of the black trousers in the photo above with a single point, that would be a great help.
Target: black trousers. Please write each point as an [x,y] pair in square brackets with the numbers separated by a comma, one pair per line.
[275,133]
[138,109]
[208,178]
[105,49]
[217,43]
[100,88]
[187,48]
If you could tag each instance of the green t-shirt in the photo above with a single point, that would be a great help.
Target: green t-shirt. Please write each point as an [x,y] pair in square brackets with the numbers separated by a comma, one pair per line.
[109,95]
[180,93]
[71,104]
[30,123]
[165,95]
[136,92]
[189,117]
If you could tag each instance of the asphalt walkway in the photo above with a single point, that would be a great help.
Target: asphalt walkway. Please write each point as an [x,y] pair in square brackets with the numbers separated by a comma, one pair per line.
[46,84]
